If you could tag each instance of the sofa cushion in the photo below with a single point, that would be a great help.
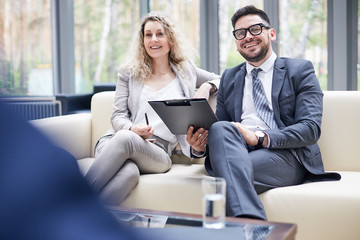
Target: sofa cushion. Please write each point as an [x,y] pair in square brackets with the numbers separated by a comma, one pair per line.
[337,200]
[179,189]
[179,185]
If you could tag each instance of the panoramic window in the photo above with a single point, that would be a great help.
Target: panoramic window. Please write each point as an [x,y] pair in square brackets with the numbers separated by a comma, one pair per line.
[25,48]
[303,33]
[229,56]
[103,31]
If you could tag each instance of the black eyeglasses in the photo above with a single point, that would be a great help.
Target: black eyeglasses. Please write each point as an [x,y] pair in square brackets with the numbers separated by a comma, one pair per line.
[255,30]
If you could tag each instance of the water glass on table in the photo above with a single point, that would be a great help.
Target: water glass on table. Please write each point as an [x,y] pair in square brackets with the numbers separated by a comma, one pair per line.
[213,202]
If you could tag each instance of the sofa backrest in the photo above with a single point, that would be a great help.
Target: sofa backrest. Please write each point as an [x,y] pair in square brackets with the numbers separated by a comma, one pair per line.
[339,141]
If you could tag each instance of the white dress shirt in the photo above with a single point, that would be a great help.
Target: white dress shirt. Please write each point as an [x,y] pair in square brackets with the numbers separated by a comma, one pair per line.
[250,117]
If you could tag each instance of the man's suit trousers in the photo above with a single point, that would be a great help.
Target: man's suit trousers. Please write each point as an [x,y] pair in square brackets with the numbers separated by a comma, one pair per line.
[248,172]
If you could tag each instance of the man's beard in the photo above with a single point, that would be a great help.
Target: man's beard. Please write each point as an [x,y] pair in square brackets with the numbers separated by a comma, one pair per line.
[257,58]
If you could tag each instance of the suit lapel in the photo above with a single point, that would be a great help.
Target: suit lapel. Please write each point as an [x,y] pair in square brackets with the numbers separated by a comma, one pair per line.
[134,97]
[277,83]
[239,92]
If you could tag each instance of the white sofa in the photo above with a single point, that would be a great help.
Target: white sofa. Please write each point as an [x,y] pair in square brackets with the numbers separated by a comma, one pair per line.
[321,210]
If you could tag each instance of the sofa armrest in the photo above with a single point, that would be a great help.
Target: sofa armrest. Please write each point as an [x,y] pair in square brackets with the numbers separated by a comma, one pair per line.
[71,132]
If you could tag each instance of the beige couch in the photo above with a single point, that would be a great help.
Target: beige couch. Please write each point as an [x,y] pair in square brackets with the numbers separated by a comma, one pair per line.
[322,210]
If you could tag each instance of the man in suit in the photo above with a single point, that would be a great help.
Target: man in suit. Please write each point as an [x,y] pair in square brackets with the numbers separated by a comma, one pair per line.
[269,110]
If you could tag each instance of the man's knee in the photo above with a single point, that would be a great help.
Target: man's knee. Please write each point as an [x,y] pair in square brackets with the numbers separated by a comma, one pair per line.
[225,131]
[219,128]
[222,128]
[219,125]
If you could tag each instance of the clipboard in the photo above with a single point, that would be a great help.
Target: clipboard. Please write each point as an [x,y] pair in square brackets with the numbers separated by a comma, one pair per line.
[179,114]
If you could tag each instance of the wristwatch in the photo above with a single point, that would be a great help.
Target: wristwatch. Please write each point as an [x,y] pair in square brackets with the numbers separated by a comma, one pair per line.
[261,136]
[214,88]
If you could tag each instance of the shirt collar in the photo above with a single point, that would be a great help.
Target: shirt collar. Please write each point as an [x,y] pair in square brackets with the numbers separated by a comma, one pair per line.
[266,66]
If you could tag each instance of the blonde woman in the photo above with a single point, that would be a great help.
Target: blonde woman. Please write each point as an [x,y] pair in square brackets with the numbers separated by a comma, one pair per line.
[159,69]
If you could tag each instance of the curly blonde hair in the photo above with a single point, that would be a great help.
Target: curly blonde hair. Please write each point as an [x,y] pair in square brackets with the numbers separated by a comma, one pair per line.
[140,63]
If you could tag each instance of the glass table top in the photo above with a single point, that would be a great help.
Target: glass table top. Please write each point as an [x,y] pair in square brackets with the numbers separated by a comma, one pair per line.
[140,219]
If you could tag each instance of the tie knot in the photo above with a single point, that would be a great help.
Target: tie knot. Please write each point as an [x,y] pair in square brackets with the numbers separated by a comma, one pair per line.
[255,72]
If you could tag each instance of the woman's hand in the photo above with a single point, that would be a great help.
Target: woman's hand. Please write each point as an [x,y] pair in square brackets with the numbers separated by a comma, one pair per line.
[198,139]
[204,91]
[144,131]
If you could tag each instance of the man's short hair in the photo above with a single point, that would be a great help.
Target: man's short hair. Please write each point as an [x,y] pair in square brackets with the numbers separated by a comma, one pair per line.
[247,10]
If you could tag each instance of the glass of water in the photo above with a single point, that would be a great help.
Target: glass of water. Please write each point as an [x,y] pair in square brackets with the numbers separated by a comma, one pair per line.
[213,202]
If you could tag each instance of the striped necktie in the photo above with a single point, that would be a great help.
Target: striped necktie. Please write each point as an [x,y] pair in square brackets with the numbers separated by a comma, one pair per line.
[262,105]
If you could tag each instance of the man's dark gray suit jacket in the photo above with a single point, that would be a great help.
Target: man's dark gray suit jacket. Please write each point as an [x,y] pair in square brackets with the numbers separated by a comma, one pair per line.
[297,102]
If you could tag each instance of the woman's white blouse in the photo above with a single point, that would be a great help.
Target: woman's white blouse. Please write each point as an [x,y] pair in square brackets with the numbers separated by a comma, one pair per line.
[171,91]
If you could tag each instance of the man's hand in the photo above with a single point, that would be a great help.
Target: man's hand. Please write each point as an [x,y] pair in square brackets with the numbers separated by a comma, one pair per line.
[143,130]
[198,139]
[247,134]
[204,91]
